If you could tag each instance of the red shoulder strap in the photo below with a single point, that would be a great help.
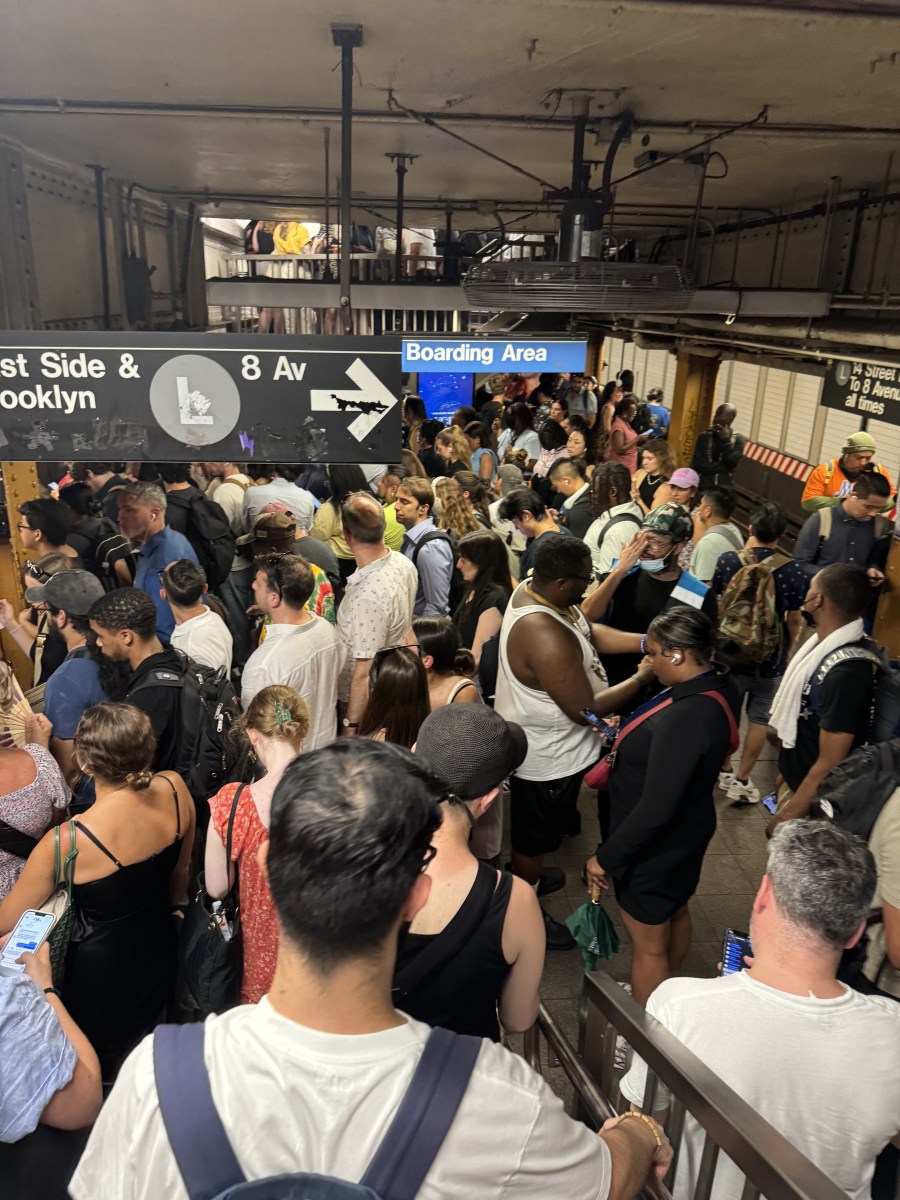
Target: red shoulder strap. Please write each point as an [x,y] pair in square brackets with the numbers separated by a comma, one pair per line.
[717,696]
[732,724]
[651,712]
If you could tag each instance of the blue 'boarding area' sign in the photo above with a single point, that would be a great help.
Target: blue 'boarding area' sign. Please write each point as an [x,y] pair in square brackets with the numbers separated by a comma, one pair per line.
[430,355]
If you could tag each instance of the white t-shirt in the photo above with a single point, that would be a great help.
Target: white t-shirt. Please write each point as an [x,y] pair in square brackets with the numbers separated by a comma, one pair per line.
[308,658]
[206,639]
[824,1073]
[295,1099]
[301,502]
[606,548]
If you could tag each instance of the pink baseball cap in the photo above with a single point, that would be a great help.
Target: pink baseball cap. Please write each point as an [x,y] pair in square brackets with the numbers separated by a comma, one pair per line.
[684,477]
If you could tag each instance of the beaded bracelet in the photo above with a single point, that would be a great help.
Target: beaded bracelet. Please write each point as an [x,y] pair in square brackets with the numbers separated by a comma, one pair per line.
[648,1121]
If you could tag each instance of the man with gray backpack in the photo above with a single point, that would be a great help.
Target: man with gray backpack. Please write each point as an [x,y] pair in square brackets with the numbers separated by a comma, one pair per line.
[324,1083]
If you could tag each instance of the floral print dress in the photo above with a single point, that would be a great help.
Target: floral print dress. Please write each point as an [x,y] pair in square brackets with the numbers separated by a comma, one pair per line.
[30,809]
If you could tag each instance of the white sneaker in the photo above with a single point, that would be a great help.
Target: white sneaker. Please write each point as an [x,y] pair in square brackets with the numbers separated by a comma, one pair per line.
[743,793]
[725,780]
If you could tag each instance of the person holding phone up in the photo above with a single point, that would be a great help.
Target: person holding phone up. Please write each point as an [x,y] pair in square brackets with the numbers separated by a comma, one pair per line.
[661,774]
[49,1073]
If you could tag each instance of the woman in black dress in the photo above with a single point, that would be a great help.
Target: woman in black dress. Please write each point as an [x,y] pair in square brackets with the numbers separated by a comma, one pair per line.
[133,851]
[484,566]
[661,784]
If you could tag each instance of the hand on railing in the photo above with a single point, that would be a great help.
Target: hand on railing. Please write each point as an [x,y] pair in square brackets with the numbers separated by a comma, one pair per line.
[662,1153]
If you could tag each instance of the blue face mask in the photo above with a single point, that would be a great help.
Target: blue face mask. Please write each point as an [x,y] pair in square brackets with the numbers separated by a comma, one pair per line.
[653,565]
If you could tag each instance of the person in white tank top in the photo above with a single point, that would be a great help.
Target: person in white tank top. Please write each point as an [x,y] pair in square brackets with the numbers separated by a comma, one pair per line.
[549,675]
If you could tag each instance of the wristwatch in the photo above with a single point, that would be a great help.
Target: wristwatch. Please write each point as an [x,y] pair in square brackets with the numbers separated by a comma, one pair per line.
[348,724]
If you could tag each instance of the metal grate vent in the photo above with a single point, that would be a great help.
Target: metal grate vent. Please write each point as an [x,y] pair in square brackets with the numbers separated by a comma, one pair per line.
[585,286]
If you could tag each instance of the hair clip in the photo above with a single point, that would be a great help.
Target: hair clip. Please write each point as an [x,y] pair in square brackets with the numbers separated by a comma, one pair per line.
[282,713]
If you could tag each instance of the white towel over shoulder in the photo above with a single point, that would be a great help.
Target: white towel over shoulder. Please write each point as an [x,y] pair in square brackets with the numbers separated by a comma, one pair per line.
[788,698]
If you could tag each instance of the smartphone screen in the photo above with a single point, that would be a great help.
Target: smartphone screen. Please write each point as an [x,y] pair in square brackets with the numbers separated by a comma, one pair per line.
[770,802]
[30,931]
[609,731]
[733,951]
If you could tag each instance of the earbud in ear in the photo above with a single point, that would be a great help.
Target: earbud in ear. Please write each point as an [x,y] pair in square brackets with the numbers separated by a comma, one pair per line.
[677,658]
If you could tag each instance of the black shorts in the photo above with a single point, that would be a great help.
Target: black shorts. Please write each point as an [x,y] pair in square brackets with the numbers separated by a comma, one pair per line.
[541,812]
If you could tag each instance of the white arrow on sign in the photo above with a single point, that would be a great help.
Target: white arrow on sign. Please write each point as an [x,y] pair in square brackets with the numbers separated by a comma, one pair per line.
[372,401]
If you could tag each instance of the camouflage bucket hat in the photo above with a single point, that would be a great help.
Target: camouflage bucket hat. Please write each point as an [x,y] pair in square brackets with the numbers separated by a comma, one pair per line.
[670,520]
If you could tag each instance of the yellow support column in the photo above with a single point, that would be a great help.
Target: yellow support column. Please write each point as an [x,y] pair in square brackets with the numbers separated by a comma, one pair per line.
[595,354]
[695,388]
[20,483]
[887,621]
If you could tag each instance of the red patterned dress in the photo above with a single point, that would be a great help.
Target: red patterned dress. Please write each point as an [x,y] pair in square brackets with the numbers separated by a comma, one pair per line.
[259,922]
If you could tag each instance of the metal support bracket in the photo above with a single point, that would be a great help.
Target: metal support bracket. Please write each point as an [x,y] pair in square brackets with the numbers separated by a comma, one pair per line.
[348,38]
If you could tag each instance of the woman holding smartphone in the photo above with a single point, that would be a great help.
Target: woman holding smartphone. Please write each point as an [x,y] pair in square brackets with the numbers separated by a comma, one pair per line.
[665,763]
[132,854]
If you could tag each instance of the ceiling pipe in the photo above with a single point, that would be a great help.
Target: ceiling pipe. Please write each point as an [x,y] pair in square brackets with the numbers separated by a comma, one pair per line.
[884,336]
[51,106]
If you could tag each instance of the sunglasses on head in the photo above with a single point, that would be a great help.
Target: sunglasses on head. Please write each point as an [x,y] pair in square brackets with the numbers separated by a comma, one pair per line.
[381,655]
[271,564]
[34,570]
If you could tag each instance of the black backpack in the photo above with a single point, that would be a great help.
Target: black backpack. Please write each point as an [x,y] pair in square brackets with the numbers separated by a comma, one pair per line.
[885,722]
[206,527]
[457,583]
[100,546]
[209,708]
[854,793]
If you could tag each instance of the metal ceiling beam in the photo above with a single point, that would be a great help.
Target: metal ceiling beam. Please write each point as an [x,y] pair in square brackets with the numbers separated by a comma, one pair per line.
[858,9]
[49,106]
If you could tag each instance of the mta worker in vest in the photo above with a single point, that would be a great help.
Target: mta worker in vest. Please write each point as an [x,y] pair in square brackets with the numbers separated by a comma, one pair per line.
[832,481]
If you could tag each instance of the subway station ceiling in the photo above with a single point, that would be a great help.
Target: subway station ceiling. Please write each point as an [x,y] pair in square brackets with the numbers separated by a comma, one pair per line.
[228,103]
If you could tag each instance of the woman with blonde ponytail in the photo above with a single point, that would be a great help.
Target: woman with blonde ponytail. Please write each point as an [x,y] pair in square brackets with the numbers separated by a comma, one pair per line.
[274,725]
[130,853]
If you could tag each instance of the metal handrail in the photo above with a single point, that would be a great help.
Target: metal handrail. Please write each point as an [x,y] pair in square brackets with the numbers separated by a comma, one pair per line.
[773,1167]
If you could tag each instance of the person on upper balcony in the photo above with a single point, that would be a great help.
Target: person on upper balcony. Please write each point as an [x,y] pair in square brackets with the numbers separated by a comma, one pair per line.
[718,450]
[831,482]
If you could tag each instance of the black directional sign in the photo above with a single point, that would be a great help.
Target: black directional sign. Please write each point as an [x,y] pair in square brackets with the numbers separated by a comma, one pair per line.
[172,397]
[869,389]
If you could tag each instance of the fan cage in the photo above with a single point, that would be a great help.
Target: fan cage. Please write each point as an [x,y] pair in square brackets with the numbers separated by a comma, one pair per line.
[585,286]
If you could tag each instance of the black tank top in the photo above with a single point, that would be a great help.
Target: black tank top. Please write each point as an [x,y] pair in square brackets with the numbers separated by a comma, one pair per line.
[462,994]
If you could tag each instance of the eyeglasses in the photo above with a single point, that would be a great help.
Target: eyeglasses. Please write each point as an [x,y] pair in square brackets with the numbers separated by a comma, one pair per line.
[428,859]
[36,571]
[20,527]
[585,579]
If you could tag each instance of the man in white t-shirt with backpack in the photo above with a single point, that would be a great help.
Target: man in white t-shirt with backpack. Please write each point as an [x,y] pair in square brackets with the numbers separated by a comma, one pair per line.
[816,1059]
[235,592]
[324,1075]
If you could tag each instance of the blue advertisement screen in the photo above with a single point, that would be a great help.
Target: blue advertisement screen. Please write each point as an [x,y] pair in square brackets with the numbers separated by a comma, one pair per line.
[444,394]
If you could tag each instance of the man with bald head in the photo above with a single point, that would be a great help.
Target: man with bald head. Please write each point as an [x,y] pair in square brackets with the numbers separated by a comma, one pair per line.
[718,450]
[378,604]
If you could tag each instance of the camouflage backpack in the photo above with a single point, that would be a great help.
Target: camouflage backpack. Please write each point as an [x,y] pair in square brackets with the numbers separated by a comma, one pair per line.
[749,625]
